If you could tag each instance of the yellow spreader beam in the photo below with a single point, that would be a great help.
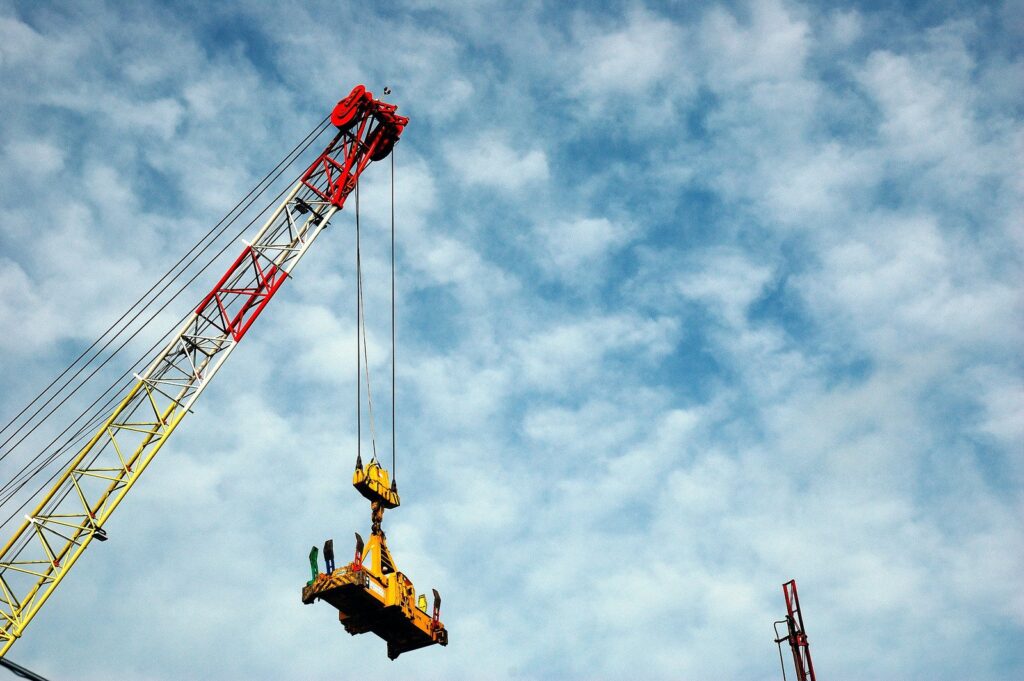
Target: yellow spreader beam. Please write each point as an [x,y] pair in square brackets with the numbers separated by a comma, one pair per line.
[370,594]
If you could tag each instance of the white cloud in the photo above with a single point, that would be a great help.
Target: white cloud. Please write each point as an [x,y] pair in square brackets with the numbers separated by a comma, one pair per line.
[18,42]
[491,161]
[631,61]
[924,120]
[728,282]
[908,283]
[772,47]
[568,356]
[35,157]
[844,28]
[826,183]
[22,308]
[1004,408]
[575,250]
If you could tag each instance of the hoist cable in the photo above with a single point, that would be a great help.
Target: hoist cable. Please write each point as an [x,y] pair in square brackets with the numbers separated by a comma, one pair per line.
[223,225]
[20,671]
[359,319]
[394,468]
[361,342]
[366,370]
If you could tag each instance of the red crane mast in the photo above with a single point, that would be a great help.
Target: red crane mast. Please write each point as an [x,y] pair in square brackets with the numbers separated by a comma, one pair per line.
[796,635]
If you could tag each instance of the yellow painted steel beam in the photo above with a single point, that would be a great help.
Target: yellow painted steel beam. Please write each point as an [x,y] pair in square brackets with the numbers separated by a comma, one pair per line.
[74,547]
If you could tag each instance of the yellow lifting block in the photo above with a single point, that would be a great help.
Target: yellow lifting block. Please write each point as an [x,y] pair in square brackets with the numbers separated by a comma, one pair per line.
[372,596]
[373,482]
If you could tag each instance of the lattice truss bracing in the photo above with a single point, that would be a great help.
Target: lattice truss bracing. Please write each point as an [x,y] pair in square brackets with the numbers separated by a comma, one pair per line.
[73,511]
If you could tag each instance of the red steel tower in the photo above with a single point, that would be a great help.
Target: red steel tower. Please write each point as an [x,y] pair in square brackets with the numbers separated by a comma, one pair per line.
[796,636]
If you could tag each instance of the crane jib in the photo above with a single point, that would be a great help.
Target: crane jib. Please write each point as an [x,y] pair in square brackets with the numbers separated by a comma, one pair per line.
[72,512]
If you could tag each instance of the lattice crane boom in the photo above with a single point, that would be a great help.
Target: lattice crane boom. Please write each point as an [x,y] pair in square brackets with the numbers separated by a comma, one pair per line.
[72,512]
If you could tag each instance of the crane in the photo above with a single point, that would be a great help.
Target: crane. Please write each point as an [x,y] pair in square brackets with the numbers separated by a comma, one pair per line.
[796,635]
[70,513]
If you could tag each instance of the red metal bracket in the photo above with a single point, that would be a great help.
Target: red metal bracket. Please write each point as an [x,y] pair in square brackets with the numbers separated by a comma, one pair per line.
[367,131]
[435,620]
[235,309]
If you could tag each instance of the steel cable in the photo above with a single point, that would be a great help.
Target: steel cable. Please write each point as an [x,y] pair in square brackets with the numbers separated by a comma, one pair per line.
[146,356]
[12,488]
[394,467]
[279,169]
[117,394]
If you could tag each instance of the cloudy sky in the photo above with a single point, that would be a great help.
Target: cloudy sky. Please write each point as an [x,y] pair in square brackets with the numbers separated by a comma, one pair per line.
[693,299]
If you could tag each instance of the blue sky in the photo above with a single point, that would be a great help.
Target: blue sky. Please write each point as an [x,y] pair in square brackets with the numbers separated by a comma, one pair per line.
[693,299]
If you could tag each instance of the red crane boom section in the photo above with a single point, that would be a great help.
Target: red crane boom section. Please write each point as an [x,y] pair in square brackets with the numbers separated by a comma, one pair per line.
[797,634]
[367,131]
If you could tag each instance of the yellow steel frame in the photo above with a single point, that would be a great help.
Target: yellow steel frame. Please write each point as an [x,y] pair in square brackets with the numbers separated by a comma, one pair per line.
[57,563]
